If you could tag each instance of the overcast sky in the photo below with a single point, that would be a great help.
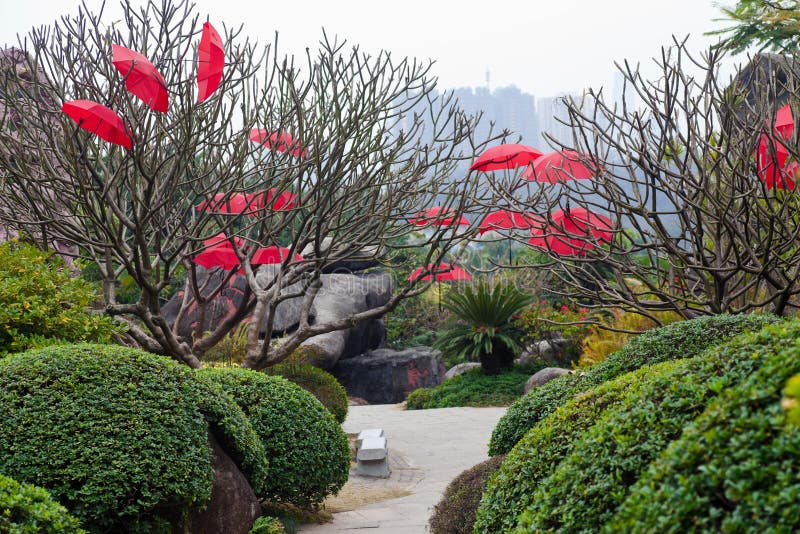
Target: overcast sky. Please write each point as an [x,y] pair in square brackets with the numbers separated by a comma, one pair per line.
[543,47]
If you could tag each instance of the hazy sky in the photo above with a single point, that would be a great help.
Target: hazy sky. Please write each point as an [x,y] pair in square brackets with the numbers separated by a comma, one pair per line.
[541,46]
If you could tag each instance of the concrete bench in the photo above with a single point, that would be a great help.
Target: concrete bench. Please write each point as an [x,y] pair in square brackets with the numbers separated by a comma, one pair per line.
[372,458]
[369,433]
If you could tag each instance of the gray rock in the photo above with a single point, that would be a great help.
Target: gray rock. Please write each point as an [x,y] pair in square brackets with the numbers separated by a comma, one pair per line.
[386,376]
[543,376]
[357,260]
[766,83]
[557,350]
[233,507]
[342,295]
[460,369]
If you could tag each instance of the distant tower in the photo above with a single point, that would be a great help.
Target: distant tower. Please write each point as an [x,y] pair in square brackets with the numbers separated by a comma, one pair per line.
[488,81]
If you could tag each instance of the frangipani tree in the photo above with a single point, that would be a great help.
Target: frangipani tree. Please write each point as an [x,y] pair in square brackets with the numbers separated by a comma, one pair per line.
[368,162]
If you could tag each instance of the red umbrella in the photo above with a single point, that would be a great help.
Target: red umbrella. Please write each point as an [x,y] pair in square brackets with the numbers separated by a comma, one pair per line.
[221,239]
[99,120]
[505,157]
[443,273]
[558,167]
[221,255]
[141,77]
[438,216]
[273,254]
[508,220]
[281,141]
[571,232]
[231,203]
[210,62]
[777,173]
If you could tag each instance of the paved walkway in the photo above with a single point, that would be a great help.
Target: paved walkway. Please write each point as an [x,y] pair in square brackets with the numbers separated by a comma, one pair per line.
[428,448]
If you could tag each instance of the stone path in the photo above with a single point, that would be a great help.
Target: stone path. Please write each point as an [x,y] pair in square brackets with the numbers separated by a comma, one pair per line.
[427,449]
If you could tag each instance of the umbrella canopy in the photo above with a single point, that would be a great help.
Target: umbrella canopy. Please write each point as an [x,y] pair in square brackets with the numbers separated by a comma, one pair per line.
[222,239]
[508,156]
[273,254]
[508,220]
[99,120]
[280,141]
[221,255]
[557,167]
[438,216]
[571,232]
[444,272]
[772,154]
[210,62]
[285,200]
[141,77]
[231,203]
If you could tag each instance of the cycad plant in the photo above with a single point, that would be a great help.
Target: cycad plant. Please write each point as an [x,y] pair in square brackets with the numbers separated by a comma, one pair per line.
[484,330]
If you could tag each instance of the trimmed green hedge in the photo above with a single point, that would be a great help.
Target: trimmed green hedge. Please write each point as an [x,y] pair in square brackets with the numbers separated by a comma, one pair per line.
[737,467]
[308,451]
[42,304]
[455,513]
[677,340]
[590,483]
[510,491]
[27,509]
[117,435]
[319,383]
[475,388]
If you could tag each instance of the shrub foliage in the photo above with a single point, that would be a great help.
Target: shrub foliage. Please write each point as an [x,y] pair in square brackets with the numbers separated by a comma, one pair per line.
[677,340]
[29,509]
[319,383]
[41,304]
[308,451]
[455,513]
[117,435]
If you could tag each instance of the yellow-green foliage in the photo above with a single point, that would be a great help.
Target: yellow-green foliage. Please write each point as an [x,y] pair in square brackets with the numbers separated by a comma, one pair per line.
[601,342]
[231,349]
[791,399]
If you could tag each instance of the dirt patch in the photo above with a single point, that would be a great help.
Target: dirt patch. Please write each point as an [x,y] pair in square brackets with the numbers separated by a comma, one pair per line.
[356,494]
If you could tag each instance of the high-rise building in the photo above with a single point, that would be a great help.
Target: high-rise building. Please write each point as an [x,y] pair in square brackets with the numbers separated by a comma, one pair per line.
[552,118]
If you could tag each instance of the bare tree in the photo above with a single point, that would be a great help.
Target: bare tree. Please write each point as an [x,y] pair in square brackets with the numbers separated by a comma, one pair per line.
[368,160]
[697,229]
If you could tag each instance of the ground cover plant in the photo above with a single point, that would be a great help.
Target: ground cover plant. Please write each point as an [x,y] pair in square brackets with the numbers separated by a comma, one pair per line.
[25,508]
[308,451]
[119,436]
[677,340]
[475,388]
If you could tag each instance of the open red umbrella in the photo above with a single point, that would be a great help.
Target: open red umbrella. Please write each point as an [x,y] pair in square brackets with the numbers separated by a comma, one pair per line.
[508,156]
[280,141]
[231,203]
[438,216]
[99,120]
[222,239]
[273,254]
[572,232]
[220,255]
[772,154]
[141,77]
[444,272]
[557,167]
[508,220]
[210,62]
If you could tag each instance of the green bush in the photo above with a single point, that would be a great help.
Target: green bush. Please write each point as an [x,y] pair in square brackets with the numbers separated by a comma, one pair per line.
[41,304]
[510,491]
[589,484]
[27,509]
[117,435]
[455,513]
[308,451]
[791,400]
[736,468]
[267,525]
[319,383]
[474,388]
[677,340]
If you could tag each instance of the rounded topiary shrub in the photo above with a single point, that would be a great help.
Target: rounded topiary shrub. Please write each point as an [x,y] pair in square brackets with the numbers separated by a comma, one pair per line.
[736,468]
[29,509]
[589,484]
[677,340]
[510,491]
[319,383]
[117,435]
[308,451]
[455,513]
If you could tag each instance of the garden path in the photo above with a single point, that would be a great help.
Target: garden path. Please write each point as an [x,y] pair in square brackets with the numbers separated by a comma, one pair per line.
[427,449]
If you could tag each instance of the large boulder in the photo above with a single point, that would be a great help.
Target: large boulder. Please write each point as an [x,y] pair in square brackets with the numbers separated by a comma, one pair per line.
[765,83]
[460,369]
[354,261]
[544,376]
[342,295]
[233,507]
[385,376]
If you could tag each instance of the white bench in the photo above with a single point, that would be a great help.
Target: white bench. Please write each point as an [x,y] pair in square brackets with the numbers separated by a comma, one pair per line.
[372,457]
